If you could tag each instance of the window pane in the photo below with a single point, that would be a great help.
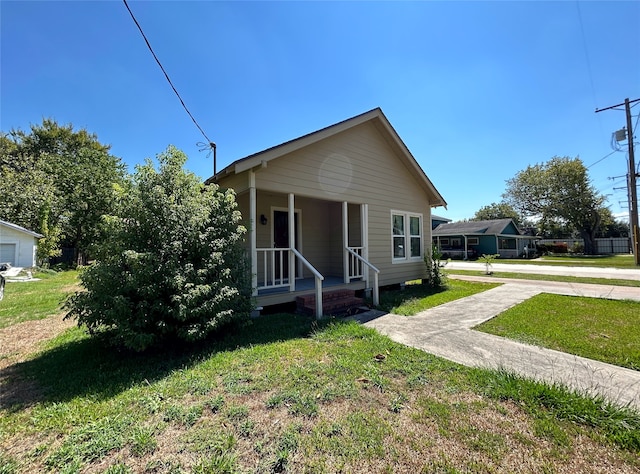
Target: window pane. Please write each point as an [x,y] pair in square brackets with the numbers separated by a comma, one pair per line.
[398,247]
[415,246]
[414,226]
[398,225]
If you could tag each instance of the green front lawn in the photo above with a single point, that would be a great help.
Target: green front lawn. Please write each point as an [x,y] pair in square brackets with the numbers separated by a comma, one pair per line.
[415,298]
[605,330]
[286,394]
[31,300]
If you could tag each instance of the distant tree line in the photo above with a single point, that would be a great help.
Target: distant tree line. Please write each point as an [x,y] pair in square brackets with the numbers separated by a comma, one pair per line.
[59,182]
[556,200]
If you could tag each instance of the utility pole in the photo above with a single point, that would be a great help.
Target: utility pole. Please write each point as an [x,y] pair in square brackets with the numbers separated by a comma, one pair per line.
[633,192]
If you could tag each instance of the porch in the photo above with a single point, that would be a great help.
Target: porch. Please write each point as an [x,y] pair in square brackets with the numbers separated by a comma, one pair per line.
[323,245]
[304,286]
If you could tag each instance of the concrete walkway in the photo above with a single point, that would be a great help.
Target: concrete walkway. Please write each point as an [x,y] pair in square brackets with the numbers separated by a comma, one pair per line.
[446,331]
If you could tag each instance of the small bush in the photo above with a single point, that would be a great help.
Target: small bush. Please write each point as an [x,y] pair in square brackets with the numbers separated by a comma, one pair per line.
[436,277]
[560,247]
[578,248]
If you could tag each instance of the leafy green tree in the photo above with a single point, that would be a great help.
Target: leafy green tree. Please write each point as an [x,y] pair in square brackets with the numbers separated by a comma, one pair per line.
[49,244]
[69,173]
[611,227]
[173,263]
[500,210]
[559,191]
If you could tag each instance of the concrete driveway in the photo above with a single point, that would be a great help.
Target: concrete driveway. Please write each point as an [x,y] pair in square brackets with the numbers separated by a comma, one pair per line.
[446,331]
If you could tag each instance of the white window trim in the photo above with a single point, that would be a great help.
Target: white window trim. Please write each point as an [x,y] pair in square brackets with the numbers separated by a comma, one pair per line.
[473,241]
[407,237]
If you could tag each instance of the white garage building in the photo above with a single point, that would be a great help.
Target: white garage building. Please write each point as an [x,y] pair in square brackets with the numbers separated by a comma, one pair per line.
[18,245]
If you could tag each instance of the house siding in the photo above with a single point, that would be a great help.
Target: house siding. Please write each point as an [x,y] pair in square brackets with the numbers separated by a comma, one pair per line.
[357,166]
[20,246]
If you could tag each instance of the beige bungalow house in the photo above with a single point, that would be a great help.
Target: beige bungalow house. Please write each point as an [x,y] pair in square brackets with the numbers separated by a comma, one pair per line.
[347,206]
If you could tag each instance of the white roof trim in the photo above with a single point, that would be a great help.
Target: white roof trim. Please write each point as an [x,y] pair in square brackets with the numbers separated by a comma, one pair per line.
[21,229]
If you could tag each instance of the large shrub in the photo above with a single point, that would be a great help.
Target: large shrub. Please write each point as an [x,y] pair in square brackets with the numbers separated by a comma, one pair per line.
[173,265]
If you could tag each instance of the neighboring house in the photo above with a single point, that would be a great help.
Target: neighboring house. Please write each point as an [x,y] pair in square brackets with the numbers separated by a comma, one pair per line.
[474,238]
[437,220]
[18,245]
[335,207]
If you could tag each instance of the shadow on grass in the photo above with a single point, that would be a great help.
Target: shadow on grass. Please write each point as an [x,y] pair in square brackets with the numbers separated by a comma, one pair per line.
[89,367]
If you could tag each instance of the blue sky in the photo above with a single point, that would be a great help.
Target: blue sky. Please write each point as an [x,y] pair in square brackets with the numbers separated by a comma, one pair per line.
[477,90]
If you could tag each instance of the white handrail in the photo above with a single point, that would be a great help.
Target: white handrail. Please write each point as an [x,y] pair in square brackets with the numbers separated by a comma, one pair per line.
[319,278]
[376,293]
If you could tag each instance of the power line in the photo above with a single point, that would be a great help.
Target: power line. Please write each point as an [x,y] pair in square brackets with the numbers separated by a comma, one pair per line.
[586,53]
[210,143]
[606,156]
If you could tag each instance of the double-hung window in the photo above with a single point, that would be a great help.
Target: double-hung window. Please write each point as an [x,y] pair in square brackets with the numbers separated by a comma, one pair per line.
[406,236]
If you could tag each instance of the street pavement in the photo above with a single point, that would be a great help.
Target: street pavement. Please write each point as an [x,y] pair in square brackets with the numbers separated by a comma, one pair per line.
[596,272]
[446,331]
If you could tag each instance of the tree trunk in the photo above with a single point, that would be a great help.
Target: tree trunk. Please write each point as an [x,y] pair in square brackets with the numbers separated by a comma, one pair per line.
[589,236]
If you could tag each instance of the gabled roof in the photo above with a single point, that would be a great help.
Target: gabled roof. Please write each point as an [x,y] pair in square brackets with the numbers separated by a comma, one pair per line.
[375,116]
[490,227]
[21,229]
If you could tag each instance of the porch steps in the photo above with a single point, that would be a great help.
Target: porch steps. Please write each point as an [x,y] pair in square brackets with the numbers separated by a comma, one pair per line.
[333,302]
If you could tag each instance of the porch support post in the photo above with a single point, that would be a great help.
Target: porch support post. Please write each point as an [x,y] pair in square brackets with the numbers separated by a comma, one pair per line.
[364,239]
[292,243]
[252,232]
[466,252]
[345,241]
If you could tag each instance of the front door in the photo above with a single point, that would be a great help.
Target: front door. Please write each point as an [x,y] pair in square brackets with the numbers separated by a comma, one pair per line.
[281,240]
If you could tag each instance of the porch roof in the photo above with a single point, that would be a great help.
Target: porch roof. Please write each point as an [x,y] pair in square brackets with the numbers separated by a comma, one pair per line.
[375,116]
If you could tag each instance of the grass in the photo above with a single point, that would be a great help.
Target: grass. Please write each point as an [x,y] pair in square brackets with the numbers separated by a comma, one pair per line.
[315,399]
[416,297]
[289,394]
[608,261]
[32,300]
[605,330]
[540,277]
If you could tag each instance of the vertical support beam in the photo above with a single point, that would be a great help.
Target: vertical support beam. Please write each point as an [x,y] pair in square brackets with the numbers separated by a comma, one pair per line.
[318,299]
[252,232]
[345,241]
[466,247]
[292,243]
[364,240]
[633,210]
[633,193]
